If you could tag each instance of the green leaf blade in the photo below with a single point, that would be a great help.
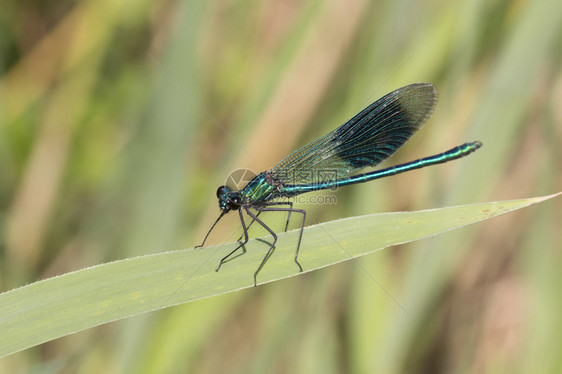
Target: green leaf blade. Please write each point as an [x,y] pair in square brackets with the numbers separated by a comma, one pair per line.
[72,302]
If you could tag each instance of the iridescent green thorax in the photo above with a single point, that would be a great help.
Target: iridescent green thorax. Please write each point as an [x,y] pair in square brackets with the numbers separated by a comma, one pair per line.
[260,189]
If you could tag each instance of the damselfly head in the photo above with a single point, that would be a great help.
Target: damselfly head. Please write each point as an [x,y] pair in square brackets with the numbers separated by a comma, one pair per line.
[228,199]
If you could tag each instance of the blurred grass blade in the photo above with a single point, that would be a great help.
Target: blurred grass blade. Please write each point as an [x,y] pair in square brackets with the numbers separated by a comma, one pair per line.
[72,302]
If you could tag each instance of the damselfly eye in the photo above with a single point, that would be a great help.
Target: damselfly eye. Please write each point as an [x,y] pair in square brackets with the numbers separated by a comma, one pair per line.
[221,190]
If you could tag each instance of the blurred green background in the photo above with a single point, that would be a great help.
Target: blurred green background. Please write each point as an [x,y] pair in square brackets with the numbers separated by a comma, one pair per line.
[118,120]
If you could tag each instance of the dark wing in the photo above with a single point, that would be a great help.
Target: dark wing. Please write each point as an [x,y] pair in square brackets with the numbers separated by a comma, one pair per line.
[365,140]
